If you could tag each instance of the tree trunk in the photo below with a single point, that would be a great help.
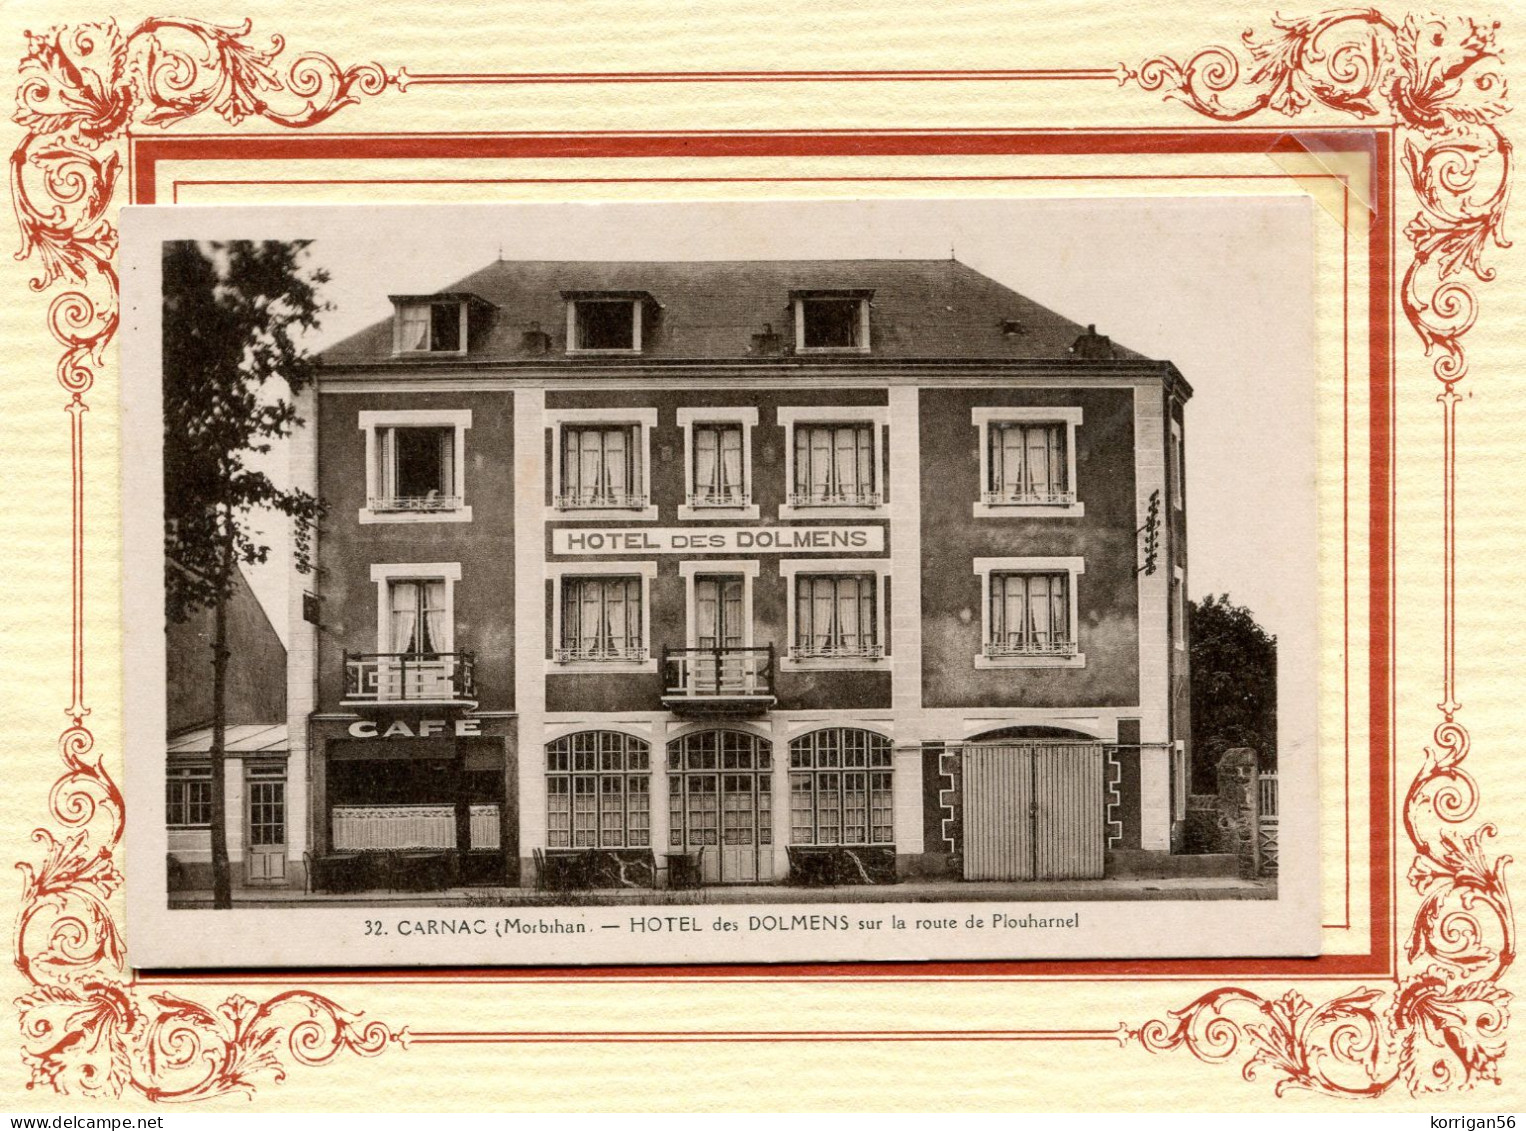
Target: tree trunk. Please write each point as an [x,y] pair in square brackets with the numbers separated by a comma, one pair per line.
[222,877]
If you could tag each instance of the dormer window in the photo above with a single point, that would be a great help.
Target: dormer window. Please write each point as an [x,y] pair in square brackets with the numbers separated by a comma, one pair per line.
[431,327]
[604,323]
[832,321]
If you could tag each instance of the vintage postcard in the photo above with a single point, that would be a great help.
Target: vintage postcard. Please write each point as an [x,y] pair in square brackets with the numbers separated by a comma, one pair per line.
[750,604]
[783,538]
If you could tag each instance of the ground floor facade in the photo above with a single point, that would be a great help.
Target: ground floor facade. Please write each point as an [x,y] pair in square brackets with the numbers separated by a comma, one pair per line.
[427,800]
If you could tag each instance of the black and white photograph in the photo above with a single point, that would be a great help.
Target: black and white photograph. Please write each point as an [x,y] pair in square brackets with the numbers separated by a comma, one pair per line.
[757,581]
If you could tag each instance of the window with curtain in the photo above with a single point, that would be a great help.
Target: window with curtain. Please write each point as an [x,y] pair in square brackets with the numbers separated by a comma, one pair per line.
[1030,615]
[602,467]
[835,615]
[188,797]
[416,470]
[598,791]
[841,788]
[601,619]
[429,327]
[718,474]
[1028,463]
[419,624]
[834,465]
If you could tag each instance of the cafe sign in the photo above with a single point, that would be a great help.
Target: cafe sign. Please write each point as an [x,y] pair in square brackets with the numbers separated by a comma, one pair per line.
[422,728]
[720,540]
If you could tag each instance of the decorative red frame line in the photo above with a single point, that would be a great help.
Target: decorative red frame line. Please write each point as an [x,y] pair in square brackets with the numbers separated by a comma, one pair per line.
[145,154]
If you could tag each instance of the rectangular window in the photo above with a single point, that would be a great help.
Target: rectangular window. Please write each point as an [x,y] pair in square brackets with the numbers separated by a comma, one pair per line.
[416,470]
[835,616]
[188,797]
[1030,615]
[601,467]
[1178,608]
[831,323]
[1027,463]
[419,618]
[429,327]
[606,324]
[835,465]
[719,479]
[266,787]
[601,619]
[1178,466]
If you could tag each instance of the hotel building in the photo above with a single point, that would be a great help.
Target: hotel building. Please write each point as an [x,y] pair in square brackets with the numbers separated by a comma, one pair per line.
[737,572]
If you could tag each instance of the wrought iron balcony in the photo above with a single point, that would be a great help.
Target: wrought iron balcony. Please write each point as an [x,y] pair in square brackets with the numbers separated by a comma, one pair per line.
[831,498]
[394,679]
[606,500]
[430,503]
[1001,650]
[615,654]
[718,681]
[1019,498]
[837,652]
[721,499]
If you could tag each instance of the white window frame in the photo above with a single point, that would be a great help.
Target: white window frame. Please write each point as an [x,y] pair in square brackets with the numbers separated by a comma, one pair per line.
[747,417]
[985,567]
[876,415]
[828,296]
[688,570]
[984,418]
[1179,608]
[572,326]
[384,575]
[373,420]
[556,571]
[1178,467]
[183,774]
[879,569]
[643,419]
[397,328]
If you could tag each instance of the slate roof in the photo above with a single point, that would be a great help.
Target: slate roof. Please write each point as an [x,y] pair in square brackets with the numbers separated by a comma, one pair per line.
[922,308]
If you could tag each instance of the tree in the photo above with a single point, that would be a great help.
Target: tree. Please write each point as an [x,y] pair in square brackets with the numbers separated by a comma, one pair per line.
[232,315]
[1234,686]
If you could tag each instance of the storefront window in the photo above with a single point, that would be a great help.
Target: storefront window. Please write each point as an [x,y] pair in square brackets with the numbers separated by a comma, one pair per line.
[840,788]
[598,791]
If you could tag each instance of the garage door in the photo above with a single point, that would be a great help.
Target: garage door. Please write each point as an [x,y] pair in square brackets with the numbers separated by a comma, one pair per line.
[1033,811]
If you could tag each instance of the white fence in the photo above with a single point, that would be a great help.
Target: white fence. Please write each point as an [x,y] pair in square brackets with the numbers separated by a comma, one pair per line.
[359,828]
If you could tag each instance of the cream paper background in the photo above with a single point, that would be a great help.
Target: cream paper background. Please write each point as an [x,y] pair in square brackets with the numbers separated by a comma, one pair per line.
[34,461]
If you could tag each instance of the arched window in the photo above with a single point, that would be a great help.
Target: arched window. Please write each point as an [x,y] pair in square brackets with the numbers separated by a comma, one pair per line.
[841,788]
[598,791]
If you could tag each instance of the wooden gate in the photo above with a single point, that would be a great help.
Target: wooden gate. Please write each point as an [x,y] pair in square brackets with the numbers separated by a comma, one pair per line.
[1033,811]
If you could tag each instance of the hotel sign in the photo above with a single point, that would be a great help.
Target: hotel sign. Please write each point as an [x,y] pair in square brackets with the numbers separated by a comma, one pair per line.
[721,540]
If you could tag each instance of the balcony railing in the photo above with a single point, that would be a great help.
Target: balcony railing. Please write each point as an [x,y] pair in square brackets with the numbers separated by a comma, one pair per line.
[586,655]
[1018,498]
[834,498]
[388,679]
[840,652]
[1001,651]
[610,500]
[718,679]
[732,499]
[430,503]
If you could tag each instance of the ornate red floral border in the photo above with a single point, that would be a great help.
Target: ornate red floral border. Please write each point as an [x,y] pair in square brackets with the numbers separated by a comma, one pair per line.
[87,1029]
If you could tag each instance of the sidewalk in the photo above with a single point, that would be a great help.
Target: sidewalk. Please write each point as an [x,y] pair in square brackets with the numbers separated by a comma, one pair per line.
[911,891]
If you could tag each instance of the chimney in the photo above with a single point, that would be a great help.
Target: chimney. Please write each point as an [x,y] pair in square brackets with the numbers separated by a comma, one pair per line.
[1092,346]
